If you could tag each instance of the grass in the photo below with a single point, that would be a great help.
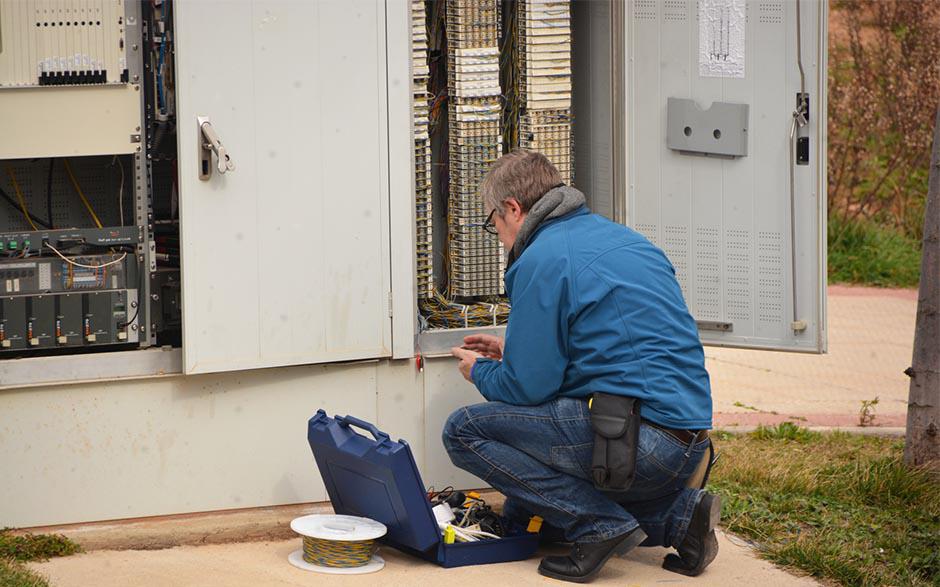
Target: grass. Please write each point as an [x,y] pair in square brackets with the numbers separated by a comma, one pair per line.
[862,252]
[838,506]
[17,549]
[16,575]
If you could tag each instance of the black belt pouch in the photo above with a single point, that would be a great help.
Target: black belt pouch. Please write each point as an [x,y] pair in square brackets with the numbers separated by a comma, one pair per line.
[616,423]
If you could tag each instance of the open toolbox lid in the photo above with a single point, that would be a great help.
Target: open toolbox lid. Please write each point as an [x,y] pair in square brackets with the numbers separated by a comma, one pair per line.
[374,478]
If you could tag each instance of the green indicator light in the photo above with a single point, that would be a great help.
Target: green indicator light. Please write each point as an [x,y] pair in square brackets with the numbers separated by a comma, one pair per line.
[11,245]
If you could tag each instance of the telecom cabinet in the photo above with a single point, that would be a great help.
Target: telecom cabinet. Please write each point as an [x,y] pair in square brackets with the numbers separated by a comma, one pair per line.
[275,182]
[283,187]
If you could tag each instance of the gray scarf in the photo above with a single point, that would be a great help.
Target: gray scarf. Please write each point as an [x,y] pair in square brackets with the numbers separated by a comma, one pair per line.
[555,203]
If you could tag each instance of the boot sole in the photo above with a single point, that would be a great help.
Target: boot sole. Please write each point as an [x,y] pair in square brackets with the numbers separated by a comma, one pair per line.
[709,545]
[625,546]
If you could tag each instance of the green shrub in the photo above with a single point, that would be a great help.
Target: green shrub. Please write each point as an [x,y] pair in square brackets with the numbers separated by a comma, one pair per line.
[30,547]
[785,431]
[863,252]
[17,549]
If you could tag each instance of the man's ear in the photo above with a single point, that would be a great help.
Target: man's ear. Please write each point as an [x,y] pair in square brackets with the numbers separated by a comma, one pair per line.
[512,207]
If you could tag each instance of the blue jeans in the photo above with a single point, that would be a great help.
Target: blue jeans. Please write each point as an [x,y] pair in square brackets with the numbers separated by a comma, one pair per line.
[539,457]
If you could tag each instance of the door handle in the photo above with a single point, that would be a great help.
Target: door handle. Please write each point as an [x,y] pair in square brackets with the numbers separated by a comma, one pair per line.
[209,142]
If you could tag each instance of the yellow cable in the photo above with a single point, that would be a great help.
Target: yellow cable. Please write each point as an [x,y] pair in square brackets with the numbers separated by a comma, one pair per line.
[68,169]
[338,553]
[19,196]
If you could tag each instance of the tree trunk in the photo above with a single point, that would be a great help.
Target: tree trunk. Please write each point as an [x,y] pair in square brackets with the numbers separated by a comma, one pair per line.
[922,447]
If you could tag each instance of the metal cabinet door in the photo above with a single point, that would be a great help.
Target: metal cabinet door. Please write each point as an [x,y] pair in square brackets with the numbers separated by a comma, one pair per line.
[725,223]
[285,257]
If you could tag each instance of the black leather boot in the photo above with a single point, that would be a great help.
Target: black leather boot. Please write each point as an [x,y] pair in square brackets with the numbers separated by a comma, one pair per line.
[587,559]
[700,545]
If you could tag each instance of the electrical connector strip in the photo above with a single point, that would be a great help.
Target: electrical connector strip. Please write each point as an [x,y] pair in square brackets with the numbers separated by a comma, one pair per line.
[543,54]
[423,197]
[475,142]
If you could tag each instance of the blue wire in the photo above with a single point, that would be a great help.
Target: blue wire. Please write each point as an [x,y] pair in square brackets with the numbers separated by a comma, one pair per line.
[160,99]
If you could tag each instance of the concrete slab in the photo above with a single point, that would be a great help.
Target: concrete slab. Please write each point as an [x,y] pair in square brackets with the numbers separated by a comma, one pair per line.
[871,340]
[265,563]
[224,527]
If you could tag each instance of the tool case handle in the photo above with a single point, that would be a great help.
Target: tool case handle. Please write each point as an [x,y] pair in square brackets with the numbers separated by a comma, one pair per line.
[347,421]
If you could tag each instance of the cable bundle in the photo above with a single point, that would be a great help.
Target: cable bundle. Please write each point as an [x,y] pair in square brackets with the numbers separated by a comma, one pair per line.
[438,312]
[339,554]
[337,544]
[465,517]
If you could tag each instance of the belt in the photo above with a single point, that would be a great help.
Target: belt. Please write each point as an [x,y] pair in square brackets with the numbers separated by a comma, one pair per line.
[683,436]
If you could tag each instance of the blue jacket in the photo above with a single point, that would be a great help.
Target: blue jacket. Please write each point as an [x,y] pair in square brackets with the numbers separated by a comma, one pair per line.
[596,308]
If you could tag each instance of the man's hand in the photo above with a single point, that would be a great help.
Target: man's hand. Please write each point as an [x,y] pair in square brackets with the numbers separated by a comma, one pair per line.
[487,345]
[467,359]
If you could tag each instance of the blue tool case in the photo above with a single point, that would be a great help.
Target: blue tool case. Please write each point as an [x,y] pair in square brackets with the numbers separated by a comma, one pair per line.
[376,477]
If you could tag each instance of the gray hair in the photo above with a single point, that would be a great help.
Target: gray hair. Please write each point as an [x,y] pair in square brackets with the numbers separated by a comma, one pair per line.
[521,174]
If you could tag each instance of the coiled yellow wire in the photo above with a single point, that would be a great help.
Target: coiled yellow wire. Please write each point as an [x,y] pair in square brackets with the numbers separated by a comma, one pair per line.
[343,554]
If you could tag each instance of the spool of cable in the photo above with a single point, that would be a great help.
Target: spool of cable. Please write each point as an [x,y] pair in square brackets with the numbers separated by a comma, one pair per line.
[339,545]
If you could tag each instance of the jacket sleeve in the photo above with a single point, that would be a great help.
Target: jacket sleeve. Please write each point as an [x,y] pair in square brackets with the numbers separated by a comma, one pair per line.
[535,356]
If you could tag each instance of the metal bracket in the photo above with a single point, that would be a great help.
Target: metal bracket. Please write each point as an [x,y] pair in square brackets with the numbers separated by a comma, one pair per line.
[715,326]
[720,131]
[209,142]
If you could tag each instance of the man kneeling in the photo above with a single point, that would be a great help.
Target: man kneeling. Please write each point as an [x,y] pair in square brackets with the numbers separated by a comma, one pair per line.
[596,308]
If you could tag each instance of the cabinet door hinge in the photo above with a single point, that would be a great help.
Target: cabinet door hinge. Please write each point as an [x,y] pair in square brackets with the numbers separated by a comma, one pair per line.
[389,304]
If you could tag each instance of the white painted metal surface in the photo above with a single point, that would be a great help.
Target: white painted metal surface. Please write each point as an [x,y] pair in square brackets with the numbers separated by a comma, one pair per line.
[444,391]
[725,224]
[286,258]
[88,368]
[69,121]
[401,178]
[194,443]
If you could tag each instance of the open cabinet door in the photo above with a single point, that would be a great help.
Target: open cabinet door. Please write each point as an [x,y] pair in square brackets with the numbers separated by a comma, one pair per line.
[712,87]
[284,255]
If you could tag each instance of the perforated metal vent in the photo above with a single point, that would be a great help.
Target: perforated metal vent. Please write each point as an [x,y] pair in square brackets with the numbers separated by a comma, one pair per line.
[770,13]
[676,247]
[676,11]
[645,10]
[738,275]
[770,286]
[707,274]
[98,178]
[650,231]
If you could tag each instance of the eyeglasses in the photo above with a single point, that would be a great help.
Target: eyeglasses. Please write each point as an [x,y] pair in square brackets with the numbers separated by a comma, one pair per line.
[488,225]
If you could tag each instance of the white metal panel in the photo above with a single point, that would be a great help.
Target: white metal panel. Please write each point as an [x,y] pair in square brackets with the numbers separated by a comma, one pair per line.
[286,258]
[401,179]
[90,367]
[725,224]
[69,121]
[445,390]
[592,99]
[176,444]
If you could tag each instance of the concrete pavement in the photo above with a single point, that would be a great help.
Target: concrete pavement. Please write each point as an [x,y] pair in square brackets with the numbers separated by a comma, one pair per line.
[255,564]
[871,338]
